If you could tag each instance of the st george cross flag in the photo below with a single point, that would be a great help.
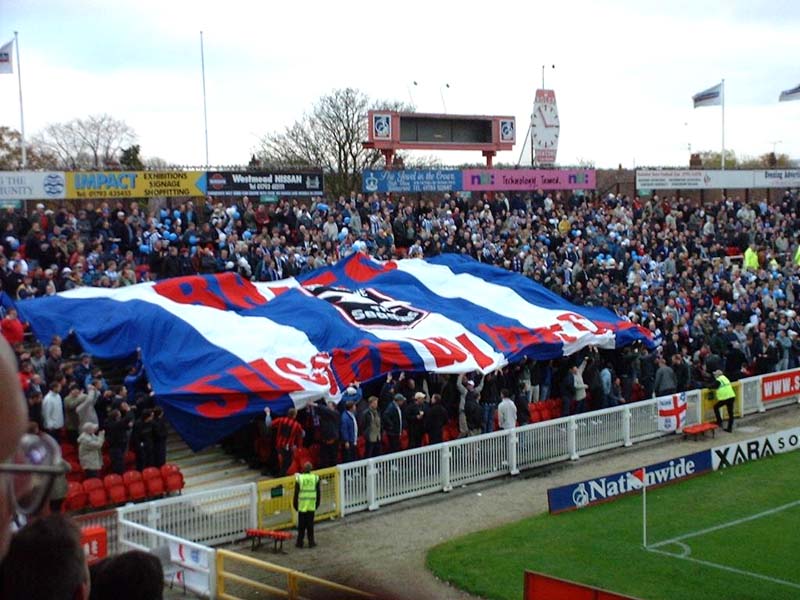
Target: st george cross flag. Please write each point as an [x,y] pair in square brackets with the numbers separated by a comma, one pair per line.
[672,412]
[218,348]
[710,97]
[6,66]
[792,94]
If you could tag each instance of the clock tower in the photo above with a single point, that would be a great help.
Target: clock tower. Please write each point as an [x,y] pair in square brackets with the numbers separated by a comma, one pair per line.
[545,127]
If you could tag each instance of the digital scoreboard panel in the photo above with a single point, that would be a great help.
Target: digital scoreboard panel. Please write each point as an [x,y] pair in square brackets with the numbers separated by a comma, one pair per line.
[389,130]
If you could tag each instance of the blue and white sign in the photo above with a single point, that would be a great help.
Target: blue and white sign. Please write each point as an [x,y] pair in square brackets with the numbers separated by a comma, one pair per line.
[382,126]
[440,180]
[609,487]
[32,185]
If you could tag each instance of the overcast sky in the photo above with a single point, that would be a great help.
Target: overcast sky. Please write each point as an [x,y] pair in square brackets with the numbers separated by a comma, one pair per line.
[624,72]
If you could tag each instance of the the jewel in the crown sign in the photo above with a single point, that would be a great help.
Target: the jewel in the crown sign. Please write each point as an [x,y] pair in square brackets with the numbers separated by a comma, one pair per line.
[546,127]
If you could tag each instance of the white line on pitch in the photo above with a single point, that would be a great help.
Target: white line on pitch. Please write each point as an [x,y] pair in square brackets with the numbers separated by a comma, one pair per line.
[766,513]
[727,568]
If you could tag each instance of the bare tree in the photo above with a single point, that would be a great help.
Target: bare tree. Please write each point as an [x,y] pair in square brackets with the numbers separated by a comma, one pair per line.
[11,152]
[330,137]
[91,143]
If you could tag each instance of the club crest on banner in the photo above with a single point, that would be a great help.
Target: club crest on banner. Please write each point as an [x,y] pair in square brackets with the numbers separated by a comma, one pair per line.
[368,308]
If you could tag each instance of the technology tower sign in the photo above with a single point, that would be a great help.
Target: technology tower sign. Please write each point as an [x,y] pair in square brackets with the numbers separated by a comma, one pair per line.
[545,127]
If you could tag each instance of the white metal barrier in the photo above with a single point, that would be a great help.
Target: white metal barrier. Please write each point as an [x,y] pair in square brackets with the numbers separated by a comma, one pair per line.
[213,517]
[187,565]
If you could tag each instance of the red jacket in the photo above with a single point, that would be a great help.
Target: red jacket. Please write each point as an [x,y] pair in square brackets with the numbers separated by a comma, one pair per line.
[12,330]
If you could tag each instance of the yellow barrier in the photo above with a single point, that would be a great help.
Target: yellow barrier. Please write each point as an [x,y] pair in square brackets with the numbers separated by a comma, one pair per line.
[275,500]
[288,581]
[709,398]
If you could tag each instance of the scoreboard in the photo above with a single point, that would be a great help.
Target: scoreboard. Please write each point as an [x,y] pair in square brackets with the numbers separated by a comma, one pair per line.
[391,130]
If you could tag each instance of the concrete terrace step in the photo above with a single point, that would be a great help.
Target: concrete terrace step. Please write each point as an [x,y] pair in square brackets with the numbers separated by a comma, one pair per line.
[240,471]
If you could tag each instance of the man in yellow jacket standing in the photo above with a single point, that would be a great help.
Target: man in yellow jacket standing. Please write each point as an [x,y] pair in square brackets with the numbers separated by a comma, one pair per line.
[306,502]
[725,396]
[751,258]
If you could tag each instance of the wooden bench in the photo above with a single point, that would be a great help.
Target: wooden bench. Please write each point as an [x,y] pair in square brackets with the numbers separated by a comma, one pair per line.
[700,429]
[277,537]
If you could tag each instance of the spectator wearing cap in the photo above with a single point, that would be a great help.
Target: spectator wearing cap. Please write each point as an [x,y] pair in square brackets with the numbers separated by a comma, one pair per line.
[90,449]
[352,393]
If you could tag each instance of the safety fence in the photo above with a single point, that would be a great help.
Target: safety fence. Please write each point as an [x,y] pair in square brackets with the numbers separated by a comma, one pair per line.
[204,519]
[236,574]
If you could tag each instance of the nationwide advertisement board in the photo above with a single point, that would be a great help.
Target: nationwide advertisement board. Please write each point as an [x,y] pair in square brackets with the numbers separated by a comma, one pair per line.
[688,179]
[610,487]
[780,385]
[755,449]
[16,186]
[504,180]
[134,184]
[262,183]
[412,180]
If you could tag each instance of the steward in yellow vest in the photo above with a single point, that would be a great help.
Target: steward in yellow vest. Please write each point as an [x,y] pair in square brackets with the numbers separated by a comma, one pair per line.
[306,502]
[725,396]
[750,259]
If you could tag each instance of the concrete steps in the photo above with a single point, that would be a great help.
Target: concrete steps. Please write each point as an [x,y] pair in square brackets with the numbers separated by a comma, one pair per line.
[208,469]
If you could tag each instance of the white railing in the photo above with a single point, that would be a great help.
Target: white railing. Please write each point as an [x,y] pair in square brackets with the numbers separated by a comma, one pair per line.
[186,564]
[213,517]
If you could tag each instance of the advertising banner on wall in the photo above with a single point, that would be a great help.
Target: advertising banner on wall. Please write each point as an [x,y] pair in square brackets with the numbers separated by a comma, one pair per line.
[135,184]
[505,180]
[675,179]
[406,181]
[601,489]
[782,385]
[258,183]
[16,186]
[755,448]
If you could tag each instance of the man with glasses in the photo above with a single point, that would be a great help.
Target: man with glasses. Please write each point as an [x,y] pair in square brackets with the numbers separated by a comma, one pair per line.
[28,463]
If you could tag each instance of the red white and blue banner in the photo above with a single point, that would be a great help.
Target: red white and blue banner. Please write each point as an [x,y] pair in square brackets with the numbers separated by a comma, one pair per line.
[216,348]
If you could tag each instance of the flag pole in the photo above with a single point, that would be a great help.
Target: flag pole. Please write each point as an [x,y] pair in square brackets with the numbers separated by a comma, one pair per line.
[205,109]
[723,124]
[644,507]
[21,114]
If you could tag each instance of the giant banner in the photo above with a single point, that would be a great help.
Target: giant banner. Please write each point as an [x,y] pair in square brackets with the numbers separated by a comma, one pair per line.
[527,180]
[134,184]
[257,183]
[412,180]
[16,186]
[688,179]
[219,348]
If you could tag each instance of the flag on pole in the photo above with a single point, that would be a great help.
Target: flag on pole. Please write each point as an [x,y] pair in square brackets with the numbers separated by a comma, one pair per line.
[640,477]
[792,94]
[710,97]
[672,412]
[6,66]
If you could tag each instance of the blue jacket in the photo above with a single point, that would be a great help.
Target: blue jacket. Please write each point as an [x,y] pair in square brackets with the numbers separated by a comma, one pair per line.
[347,429]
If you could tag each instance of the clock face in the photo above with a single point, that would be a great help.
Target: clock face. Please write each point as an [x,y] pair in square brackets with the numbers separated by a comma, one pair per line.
[545,126]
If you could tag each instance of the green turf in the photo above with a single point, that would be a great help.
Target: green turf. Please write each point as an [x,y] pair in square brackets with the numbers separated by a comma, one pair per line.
[602,545]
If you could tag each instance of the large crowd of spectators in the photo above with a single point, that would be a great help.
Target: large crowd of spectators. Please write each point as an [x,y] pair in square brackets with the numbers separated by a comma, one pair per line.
[716,284]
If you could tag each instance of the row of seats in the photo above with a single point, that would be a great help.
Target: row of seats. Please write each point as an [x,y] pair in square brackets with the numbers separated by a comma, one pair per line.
[115,489]
[69,453]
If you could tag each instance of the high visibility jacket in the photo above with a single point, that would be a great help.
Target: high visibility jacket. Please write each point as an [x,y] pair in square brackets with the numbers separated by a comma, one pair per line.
[751,259]
[725,389]
[307,497]
[797,256]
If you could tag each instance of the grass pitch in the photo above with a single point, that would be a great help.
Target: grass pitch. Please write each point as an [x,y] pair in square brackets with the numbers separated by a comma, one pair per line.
[731,534]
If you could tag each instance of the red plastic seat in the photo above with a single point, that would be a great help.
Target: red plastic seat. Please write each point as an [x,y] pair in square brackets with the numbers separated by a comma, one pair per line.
[135,485]
[153,482]
[98,497]
[112,480]
[76,498]
[92,484]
